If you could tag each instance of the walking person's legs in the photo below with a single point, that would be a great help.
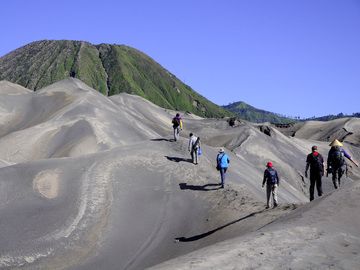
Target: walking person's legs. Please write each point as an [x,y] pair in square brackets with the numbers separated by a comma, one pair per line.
[196,156]
[222,175]
[175,135]
[268,193]
[274,194]
[335,174]
[192,153]
[319,185]
[312,186]
[341,172]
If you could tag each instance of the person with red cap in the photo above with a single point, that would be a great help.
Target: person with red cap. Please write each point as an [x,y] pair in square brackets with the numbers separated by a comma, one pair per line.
[315,161]
[272,181]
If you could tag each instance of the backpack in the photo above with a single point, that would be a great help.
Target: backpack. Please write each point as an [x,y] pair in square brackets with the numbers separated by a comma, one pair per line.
[218,161]
[337,158]
[317,163]
[197,142]
[176,122]
[272,176]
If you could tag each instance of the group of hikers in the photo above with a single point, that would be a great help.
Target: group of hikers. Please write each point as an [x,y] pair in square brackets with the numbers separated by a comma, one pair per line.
[336,165]
[194,148]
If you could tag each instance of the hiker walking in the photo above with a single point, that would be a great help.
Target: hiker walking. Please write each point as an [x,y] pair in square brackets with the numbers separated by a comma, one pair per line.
[272,181]
[315,161]
[194,145]
[336,163]
[177,126]
[222,161]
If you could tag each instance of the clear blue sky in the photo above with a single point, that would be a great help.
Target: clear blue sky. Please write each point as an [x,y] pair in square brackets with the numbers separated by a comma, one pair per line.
[298,57]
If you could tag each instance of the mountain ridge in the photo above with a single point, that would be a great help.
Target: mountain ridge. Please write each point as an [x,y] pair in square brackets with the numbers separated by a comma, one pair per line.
[110,69]
[247,112]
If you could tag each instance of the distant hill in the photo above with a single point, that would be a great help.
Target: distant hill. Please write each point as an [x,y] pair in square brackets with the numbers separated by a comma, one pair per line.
[110,69]
[252,114]
[333,117]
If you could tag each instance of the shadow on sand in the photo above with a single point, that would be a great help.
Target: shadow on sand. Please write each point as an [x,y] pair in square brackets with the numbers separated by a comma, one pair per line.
[203,235]
[178,159]
[207,187]
[162,139]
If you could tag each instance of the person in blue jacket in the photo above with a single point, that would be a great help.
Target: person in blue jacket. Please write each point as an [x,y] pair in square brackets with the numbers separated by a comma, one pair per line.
[222,161]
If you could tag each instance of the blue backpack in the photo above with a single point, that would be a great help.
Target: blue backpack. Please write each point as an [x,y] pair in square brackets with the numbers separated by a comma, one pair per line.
[272,176]
[337,158]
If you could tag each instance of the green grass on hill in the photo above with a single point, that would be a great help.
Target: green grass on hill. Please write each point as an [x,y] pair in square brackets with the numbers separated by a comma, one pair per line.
[252,114]
[110,69]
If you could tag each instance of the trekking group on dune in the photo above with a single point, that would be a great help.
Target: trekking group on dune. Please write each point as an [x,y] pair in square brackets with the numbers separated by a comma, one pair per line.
[336,165]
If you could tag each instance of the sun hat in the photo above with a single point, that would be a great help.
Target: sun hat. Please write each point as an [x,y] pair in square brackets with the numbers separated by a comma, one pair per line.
[335,143]
[221,150]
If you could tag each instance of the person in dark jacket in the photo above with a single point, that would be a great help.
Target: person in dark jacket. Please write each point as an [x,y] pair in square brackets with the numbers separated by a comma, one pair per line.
[177,126]
[222,161]
[315,161]
[272,181]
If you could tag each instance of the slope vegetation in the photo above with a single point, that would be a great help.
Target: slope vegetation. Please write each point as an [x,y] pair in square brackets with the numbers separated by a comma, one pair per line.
[110,69]
[246,112]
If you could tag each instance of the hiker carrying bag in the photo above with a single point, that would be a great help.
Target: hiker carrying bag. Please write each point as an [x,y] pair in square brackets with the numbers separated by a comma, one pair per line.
[196,145]
[176,122]
[218,160]
[317,164]
[337,158]
[218,167]
[272,177]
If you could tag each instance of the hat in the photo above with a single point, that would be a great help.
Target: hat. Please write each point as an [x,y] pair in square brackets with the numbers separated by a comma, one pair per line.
[269,164]
[314,148]
[221,150]
[336,143]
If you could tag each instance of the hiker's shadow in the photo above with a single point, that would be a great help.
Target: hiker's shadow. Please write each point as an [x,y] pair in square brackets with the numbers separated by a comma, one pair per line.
[162,139]
[203,235]
[207,187]
[178,159]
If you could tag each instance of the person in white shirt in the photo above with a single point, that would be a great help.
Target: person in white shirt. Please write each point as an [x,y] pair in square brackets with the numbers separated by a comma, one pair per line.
[194,145]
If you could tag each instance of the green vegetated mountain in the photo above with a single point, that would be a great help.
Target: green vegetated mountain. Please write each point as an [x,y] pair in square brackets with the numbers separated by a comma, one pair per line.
[110,69]
[252,114]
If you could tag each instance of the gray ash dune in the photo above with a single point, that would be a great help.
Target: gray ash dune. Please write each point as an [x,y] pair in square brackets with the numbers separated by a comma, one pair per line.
[321,235]
[91,182]
[344,129]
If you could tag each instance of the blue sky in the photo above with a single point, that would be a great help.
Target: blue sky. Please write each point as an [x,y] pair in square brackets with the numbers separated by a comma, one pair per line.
[297,58]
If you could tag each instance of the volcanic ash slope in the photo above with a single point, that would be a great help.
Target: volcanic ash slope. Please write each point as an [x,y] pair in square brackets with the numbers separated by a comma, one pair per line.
[91,182]
[323,235]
